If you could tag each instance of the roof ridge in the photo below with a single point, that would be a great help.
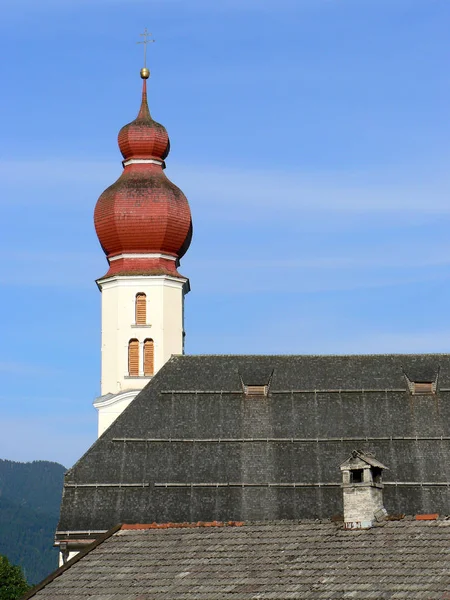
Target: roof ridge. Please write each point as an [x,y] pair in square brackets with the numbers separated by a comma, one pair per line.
[270,523]
[363,355]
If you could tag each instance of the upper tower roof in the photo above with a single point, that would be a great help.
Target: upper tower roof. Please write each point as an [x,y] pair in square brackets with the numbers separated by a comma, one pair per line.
[144,138]
[143,220]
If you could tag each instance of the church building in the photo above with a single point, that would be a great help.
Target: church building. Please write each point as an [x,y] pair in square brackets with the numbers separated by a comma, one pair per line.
[202,461]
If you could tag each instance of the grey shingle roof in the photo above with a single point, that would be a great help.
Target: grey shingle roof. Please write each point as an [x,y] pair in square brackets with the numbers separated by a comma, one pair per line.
[192,447]
[307,560]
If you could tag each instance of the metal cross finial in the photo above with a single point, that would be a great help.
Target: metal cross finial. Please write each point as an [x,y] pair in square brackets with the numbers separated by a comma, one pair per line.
[147,40]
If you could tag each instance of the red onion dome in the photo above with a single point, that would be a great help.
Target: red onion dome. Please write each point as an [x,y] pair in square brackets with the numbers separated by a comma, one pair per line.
[144,137]
[143,220]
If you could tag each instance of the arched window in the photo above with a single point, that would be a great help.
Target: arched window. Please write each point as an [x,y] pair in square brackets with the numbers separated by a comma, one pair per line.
[141,309]
[149,357]
[133,358]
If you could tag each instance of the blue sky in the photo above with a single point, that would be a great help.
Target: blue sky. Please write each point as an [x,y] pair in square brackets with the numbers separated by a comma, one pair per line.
[312,140]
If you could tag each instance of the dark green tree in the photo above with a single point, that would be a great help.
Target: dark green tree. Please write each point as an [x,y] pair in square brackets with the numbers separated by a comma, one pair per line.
[12,581]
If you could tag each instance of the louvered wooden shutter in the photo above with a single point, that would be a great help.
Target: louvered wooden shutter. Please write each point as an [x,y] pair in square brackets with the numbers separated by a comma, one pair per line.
[256,390]
[141,309]
[424,388]
[133,358]
[149,357]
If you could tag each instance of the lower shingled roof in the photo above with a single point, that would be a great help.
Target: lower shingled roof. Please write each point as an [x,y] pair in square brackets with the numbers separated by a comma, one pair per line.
[280,560]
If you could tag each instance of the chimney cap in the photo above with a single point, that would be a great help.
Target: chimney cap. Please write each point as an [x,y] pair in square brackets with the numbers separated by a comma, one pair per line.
[359,459]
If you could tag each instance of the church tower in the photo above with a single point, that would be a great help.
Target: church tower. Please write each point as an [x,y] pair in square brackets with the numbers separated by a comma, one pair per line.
[143,223]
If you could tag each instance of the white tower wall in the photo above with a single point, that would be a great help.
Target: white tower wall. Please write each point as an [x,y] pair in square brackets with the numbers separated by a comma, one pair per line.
[164,325]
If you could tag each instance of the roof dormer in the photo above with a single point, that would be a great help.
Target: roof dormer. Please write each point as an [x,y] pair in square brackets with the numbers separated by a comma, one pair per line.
[256,384]
[422,383]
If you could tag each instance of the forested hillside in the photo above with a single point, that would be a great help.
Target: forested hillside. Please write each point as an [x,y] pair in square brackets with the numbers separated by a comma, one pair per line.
[30,495]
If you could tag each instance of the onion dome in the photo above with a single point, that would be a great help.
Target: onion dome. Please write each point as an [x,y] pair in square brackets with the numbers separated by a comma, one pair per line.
[143,220]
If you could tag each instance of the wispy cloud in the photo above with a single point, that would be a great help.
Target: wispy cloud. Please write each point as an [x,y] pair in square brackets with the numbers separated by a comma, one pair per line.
[308,283]
[27,369]
[61,439]
[204,5]
[388,257]
[53,269]
[297,333]
[238,194]
[55,171]
[219,189]
[51,403]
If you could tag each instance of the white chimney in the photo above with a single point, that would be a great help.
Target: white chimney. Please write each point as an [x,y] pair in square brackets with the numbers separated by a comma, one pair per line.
[362,490]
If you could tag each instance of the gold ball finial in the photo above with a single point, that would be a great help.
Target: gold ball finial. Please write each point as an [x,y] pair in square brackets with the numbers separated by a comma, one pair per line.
[145,73]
